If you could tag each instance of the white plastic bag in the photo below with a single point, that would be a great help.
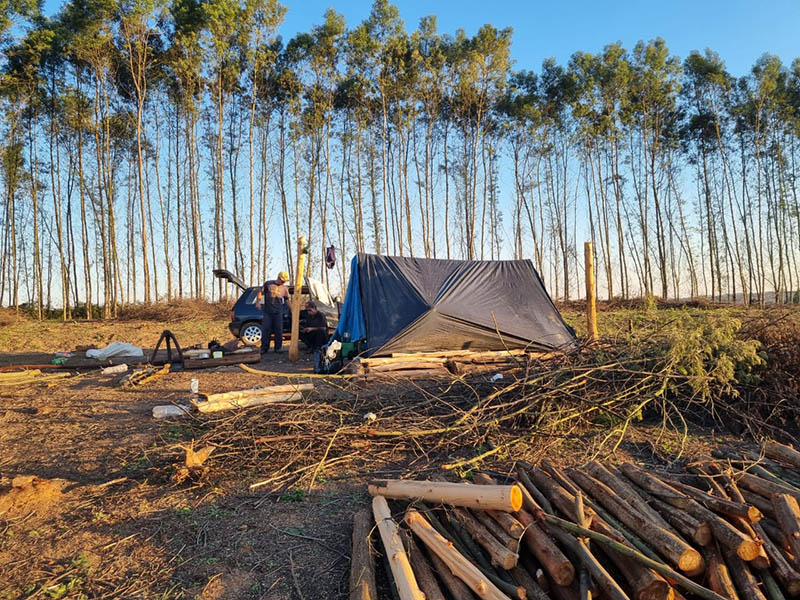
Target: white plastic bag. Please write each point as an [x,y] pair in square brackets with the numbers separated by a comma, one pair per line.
[118,349]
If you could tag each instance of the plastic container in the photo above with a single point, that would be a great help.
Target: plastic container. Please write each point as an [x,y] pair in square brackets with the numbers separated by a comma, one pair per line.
[194,386]
[169,410]
[216,354]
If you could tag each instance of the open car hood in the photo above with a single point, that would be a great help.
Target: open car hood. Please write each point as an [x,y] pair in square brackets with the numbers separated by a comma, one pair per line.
[230,278]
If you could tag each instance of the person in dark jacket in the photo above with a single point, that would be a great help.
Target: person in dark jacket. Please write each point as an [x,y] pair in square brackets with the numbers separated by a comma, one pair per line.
[315,333]
[272,297]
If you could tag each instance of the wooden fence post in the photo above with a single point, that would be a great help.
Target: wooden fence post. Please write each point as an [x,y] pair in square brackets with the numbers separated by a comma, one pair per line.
[591,306]
[294,343]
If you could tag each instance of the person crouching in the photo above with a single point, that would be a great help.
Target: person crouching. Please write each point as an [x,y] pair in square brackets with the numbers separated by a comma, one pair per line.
[315,333]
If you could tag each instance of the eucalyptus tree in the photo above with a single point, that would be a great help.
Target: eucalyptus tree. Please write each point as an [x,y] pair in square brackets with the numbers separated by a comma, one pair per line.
[483,63]
[140,41]
[655,86]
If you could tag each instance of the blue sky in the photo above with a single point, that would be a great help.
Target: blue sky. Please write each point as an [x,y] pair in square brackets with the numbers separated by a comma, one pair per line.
[740,31]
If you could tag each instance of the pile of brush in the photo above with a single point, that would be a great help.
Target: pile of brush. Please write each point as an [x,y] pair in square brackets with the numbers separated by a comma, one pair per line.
[724,527]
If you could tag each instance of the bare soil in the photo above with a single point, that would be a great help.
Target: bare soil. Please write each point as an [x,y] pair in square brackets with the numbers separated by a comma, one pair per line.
[91,507]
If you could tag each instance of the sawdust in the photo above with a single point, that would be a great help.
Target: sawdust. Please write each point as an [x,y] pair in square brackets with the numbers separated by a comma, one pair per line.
[29,493]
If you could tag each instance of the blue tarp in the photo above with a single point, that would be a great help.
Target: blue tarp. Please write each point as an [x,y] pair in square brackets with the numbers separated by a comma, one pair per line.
[351,325]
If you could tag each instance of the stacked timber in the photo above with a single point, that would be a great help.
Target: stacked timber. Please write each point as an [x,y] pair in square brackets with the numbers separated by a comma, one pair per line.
[723,528]
[239,399]
[450,362]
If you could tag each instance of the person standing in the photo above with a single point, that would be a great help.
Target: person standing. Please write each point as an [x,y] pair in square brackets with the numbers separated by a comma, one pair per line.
[315,333]
[272,298]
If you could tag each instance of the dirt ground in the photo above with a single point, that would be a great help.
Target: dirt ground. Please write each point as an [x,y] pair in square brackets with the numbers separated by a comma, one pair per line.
[91,505]
[89,508]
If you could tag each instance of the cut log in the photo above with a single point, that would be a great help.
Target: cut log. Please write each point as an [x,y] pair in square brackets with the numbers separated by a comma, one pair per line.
[720,505]
[788,513]
[786,574]
[764,487]
[258,392]
[691,528]
[405,365]
[496,530]
[404,578]
[727,535]
[362,561]
[509,524]
[603,579]
[507,498]
[655,486]
[457,588]
[426,579]
[771,589]
[745,581]
[627,494]
[546,551]
[719,578]
[760,502]
[457,564]
[782,453]
[246,402]
[645,583]
[666,543]
[526,580]
[499,553]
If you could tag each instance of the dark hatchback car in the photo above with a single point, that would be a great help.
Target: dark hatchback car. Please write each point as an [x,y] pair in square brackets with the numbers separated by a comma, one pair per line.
[246,317]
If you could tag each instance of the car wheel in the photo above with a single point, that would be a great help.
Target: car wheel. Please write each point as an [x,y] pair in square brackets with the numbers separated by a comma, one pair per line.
[251,334]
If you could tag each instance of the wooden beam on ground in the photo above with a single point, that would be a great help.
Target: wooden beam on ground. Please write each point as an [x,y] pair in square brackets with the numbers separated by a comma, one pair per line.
[507,498]
[362,562]
[404,579]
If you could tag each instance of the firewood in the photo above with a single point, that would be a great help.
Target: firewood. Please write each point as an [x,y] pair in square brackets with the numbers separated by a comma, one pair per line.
[788,513]
[764,487]
[657,566]
[499,554]
[745,581]
[771,589]
[398,559]
[526,580]
[690,527]
[458,565]
[496,530]
[509,524]
[730,537]
[786,574]
[720,505]
[546,551]
[457,588]
[646,584]
[627,494]
[599,574]
[362,562]
[507,498]
[669,545]
[719,578]
[760,502]
[783,453]
[423,571]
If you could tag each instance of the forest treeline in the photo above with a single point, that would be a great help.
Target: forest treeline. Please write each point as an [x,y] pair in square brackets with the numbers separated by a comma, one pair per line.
[146,142]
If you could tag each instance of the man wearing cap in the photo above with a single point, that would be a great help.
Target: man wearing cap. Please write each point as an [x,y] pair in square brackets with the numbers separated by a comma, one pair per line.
[315,333]
[272,297]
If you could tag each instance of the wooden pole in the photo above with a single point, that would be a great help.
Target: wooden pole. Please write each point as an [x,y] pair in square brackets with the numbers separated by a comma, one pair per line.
[398,559]
[591,305]
[302,251]
[502,497]
[362,563]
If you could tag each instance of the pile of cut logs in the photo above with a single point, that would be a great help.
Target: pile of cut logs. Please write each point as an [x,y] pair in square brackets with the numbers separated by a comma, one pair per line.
[449,362]
[725,527]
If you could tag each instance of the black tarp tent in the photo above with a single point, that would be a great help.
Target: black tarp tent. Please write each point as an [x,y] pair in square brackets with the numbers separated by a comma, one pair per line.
[397,304]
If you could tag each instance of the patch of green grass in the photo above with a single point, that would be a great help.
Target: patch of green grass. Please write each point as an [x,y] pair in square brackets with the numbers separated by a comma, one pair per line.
[293,496]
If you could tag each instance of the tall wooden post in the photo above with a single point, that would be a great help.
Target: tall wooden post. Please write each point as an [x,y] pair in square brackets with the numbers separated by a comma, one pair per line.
[591,306]
[294,343]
